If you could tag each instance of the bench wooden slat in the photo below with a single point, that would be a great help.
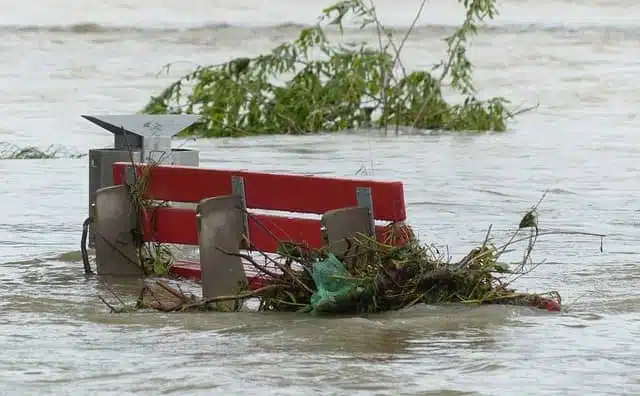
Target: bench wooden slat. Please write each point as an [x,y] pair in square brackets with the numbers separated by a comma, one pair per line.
[178,225]
[267,191]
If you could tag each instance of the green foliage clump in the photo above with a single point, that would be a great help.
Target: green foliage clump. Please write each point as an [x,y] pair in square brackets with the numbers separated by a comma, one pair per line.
[313,85]
[9,151]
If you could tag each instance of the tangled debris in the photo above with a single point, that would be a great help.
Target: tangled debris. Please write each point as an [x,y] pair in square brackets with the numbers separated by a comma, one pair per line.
[373,276]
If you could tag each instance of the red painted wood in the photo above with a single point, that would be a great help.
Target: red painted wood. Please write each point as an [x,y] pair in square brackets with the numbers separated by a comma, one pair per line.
[266,231]
[187,269]
[292,193]
[170,225]
[191,270]
[178,225]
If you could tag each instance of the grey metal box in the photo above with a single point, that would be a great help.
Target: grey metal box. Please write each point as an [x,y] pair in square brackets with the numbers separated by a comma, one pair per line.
[101,170]
[101,174]
[185,157]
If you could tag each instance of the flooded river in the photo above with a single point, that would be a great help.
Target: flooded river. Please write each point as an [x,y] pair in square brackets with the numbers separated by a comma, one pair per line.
[579,60]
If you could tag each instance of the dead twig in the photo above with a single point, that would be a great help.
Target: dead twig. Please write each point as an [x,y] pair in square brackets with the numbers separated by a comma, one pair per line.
[111,307]
[251,261]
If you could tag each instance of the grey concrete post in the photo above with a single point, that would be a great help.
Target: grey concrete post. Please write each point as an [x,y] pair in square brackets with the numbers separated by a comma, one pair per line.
[221,225]
[345,223]
[114,222]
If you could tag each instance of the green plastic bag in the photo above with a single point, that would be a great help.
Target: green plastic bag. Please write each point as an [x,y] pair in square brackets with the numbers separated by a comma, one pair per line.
[336,291]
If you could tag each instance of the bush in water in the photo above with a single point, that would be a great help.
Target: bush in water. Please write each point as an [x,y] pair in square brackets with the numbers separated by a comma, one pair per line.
[340,87]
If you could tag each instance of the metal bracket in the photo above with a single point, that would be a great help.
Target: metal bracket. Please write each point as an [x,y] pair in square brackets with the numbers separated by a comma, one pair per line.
[198,219]
[237,187]
[324,234]
[365,199]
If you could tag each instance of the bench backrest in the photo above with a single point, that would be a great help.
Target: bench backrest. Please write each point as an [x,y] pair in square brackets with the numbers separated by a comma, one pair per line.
[263,191]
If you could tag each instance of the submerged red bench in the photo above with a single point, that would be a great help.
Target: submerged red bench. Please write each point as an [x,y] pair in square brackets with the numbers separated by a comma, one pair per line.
[262,191]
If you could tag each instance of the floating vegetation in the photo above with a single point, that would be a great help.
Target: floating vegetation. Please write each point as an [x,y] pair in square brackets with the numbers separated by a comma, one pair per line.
[312,85]
[12,151]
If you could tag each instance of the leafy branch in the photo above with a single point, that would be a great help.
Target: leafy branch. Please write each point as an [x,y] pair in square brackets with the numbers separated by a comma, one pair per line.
[312,85]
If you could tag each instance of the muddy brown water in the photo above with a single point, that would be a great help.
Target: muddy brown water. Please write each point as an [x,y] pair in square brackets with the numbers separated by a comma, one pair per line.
[578,60]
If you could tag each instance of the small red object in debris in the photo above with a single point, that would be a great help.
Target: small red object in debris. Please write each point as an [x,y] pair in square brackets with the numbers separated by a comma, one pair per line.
[256,282]
[550,305]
